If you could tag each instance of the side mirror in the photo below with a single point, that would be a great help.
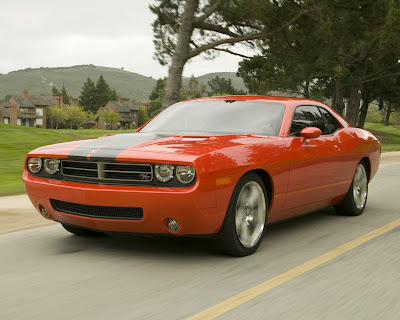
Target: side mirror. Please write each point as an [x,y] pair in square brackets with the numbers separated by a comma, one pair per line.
[310,133]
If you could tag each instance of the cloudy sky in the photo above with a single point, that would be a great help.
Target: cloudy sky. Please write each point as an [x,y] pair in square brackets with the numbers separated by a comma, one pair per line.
[114,33]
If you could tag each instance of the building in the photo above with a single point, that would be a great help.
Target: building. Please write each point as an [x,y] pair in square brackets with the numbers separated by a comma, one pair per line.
[26,110]
[127,110]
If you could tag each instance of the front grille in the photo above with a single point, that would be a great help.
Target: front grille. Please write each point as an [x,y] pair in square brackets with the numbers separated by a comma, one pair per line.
[104,212]
[106,172]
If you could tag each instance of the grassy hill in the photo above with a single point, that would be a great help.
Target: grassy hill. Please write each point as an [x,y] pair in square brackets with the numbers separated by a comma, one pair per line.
[236,81]
[40,81]
[128,84]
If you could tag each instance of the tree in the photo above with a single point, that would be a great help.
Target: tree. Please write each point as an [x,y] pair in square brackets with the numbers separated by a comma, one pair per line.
[95,96]
[55,92]
[186,29]
[76,116]
[65,95]
[156,98]
[109,117]
[57,116]
[222,86]
[104,93]
[87,97]
[337,50]
[193,91]
[143,117]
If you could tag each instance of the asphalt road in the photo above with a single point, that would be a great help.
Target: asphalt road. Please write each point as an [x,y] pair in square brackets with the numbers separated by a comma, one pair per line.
[47,273]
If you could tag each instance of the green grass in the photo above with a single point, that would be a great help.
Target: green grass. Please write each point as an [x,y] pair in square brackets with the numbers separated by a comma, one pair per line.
[16,142]
[389,136]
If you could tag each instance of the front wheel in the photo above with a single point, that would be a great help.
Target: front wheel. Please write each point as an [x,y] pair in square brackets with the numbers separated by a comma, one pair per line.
[353,204]
[242,230]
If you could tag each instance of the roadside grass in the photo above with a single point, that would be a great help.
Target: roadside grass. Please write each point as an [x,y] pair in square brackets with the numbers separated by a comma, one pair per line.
[389,136]
[17,141]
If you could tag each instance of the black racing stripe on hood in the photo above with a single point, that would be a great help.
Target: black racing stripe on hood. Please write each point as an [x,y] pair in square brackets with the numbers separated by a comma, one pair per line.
[108,148]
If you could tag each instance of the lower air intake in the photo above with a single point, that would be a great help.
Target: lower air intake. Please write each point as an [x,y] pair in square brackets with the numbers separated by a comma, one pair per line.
[103,212]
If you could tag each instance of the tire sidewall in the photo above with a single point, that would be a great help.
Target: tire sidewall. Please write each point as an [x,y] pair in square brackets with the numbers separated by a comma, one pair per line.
[228,229]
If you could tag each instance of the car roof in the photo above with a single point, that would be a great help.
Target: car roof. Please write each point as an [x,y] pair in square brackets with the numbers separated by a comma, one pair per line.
[255,98]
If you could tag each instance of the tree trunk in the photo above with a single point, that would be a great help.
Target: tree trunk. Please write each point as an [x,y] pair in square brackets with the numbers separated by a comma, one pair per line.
[306,90]
[387,116]
[353,107]
[338,96]
[364,109]
[181,54]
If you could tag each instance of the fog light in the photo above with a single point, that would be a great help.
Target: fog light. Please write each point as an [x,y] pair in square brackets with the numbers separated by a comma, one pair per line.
[44,212]
[173,225]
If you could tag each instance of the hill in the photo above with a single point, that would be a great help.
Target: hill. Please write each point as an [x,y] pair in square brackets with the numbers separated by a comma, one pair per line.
[236,81]
[41,80]
[128,84]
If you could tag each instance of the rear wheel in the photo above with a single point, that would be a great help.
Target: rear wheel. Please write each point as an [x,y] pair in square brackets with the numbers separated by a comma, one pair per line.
[355,200]
[242,230]
[81,231]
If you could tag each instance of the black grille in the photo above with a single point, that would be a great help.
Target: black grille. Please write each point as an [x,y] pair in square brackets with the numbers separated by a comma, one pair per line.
[104,212]
[105,172]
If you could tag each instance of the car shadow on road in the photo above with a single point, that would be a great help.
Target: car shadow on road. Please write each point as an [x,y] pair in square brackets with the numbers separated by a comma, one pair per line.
[184,248]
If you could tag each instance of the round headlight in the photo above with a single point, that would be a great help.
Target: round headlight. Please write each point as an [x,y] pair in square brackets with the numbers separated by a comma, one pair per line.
[34,165]
[185,174]
[51,165]
[164,172]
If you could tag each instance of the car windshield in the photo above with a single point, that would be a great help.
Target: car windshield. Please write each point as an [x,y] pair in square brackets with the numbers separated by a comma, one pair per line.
[218,117]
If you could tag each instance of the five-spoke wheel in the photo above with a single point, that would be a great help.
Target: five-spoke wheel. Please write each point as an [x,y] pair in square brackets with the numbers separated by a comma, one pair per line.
[242,230]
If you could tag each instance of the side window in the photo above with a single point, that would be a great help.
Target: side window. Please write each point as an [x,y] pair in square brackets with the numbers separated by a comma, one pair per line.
[306,116]
[331,123]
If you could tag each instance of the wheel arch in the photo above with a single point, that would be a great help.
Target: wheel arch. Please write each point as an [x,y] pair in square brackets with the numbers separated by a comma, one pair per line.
[266,178]
[367,163]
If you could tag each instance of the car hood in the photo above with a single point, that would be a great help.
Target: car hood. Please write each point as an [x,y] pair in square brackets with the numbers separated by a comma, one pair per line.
[146,146]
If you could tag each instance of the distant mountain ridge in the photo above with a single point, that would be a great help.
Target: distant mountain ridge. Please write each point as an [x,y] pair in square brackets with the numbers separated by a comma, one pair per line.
[128,84]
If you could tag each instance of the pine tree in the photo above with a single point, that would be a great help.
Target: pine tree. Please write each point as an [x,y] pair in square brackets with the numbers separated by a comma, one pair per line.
[55,92]
[87,97]
[103,92]
[65,95]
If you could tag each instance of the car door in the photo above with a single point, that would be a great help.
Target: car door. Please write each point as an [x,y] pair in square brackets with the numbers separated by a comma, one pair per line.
[315,164]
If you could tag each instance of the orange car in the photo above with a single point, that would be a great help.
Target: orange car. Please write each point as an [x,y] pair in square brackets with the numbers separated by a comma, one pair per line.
[220,165]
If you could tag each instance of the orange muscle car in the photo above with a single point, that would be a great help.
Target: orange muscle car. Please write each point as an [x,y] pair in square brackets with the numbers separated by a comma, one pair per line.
[222,166]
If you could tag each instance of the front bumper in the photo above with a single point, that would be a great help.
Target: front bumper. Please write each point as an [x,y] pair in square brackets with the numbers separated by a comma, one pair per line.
[195,208]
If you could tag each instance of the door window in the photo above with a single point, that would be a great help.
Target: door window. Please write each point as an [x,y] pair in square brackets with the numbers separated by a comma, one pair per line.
[313,116]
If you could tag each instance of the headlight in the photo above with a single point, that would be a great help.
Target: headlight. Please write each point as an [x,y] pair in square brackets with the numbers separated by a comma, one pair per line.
[185,174]
[34,165]
[51,165]
[164,172]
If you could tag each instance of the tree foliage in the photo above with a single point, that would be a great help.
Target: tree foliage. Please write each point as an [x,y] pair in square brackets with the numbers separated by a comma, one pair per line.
[193,91]
[156,98]
[221,86]
[57,116]
[143,117]
[110,117]
[71,116]
[93,96]
[343,50]
[76,116]
[64,94]
[186,29]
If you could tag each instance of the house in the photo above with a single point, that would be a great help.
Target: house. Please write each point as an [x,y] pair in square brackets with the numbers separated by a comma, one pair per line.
[26,110]
[127,110]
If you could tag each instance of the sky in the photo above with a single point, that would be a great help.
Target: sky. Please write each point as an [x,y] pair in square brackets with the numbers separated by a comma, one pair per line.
[114,33]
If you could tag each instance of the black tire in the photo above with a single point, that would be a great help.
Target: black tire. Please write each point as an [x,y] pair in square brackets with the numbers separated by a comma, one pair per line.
[242,231]
[81,231]
[353,204]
